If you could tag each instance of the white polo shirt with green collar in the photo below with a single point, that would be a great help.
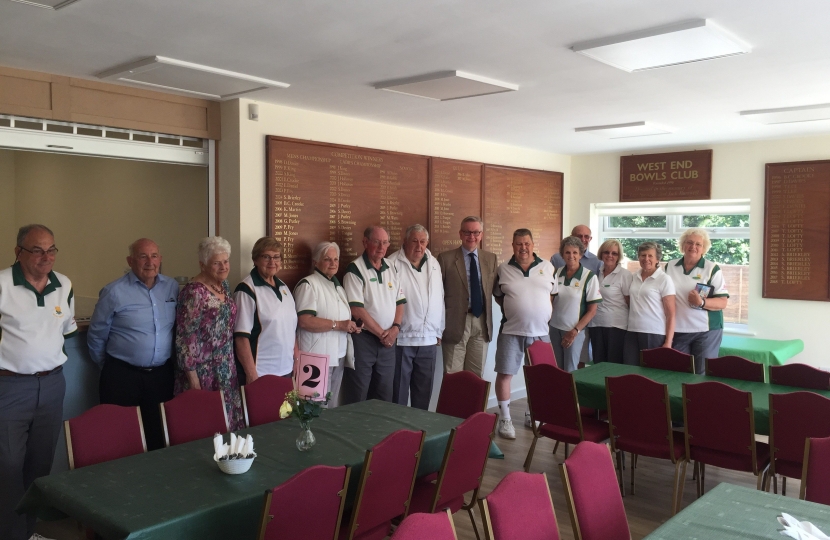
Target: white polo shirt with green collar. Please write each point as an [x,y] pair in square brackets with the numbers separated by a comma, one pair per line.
[575,294]
[378,291]
[34,325]
[526,307]
[689,319]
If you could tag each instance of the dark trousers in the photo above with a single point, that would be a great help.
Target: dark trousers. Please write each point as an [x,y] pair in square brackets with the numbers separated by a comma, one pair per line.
[639,341]
[373,373]
[414,371]
[608,344]
[31,411]
[126,385]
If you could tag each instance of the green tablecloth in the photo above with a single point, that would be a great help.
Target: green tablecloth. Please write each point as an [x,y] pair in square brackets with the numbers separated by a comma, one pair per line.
[764,351]
[734,512]
[590,386]
[179,492]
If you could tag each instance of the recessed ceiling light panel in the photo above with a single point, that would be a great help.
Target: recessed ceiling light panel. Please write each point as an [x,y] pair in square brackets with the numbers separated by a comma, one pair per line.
[623,131]
[169,74]
[447,85]
[663,46]
[47,4]
[789,115]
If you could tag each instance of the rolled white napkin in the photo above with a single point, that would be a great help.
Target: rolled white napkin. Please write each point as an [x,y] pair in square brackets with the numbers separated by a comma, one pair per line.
[217,446]
[240,446]
[800,530]
[249,446]
[233,444]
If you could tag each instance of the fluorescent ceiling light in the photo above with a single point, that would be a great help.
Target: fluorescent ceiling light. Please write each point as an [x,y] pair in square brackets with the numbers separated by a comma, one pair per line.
[789,115]
[47,4]
[663,46]
[447,85]
[196,79]
[623,131]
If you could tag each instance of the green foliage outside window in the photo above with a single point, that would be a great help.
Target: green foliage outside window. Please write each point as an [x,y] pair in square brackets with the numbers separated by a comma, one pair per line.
[723,251]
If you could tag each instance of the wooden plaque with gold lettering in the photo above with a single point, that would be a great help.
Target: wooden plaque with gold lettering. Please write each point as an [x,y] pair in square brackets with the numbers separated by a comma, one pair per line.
[522,198]
[672,176]
[325,192]
[797,231]
[454,193]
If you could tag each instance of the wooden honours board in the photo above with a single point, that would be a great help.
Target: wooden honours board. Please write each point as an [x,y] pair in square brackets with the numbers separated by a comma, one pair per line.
[671,176]
[521,198]
[454,193]
[323,192]
[797,231]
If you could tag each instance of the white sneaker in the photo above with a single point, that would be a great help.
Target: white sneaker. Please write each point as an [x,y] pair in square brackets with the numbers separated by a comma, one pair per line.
[528,421]
[506,430]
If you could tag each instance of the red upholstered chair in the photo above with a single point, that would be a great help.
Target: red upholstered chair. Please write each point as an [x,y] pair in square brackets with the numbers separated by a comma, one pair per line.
[192,415]
[639,420]
[594,499]
[520,507]
[800,375]
[551,396]
[794,417]
[461,471]
[104,433]
[462,394]
[385,486]
[308,505]
[815,480]
[668,359]
[420,526]
[261,399]
[735,367]
[540,352]
[720,430]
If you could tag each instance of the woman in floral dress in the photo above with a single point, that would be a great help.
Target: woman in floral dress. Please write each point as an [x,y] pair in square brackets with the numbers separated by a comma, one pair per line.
[205,320]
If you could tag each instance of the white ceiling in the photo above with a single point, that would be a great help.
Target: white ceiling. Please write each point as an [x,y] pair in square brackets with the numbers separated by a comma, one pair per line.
[333,53]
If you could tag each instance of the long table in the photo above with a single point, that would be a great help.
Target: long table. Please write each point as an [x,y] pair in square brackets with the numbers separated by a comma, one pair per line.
[179,492]
[736,512]
[590,386]
[771,352]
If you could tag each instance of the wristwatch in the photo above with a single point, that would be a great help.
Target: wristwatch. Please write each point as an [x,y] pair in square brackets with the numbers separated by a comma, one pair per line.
[396,324]
[703,305]
[333,324]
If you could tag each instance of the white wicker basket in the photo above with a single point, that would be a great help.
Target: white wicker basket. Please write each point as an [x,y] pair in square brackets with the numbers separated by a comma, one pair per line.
[234,466]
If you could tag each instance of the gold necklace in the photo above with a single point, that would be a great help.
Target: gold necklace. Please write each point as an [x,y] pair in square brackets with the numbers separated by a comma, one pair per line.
[218,290]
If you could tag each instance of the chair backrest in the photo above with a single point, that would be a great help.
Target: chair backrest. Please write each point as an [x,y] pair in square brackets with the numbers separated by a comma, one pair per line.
[193,414]
[261,399]
[735,367]
[308,505]
[386,482]
[551,396]
[464,459]
[462,394]
[104,433]
[540,352]
[520,507]
[815,480]
[438,526]
[720,418]
[795,417]
[639,416]
[668,359]
[593,496]
[800,375]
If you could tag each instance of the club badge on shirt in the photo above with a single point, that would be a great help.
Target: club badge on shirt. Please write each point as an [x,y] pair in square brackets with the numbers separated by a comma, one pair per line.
[58,312]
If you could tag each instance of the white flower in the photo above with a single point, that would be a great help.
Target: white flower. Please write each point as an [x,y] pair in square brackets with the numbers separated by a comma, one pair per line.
[285,410]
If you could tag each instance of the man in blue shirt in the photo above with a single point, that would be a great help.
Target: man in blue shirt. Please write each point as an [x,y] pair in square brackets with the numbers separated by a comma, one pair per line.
[131,337]
[588,260]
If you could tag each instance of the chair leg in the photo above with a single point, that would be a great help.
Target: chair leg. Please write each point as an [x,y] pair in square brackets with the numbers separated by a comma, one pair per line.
[783,485]
[702,479]
[775,484]
[681,481]
[556,447]
[766,483]
[694,472]
[529,457]
[620,472]
[567,448]
[633,461]
[473,519]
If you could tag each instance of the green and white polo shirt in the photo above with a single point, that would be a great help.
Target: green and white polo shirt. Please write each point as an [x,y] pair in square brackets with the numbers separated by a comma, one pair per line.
[526,307]
[33,325]
[574,296]
[687,318]
[378,291]
[267,316]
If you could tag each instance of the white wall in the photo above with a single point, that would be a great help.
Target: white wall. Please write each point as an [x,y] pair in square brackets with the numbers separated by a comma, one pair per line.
[737,173]
[242,167]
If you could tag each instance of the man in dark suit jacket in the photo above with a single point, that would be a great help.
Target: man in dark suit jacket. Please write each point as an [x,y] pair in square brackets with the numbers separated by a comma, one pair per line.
[469,312]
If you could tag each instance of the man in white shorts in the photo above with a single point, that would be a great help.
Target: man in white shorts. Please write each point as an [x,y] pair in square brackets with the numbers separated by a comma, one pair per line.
[524,288]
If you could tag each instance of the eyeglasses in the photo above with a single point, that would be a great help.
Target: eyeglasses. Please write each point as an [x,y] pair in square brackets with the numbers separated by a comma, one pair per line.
[383,243]
[471,233]
[37,252]
[614,253]
[269,258]
[691,243]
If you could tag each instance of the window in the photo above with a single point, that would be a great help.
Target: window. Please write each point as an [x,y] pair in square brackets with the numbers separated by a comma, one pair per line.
[726,221]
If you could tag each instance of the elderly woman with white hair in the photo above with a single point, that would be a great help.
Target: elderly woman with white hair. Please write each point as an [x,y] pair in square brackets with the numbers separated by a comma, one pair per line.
[701,298]
[205,319]
[324,316]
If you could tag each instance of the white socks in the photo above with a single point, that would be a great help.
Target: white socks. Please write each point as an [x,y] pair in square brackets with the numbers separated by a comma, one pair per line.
[504,408]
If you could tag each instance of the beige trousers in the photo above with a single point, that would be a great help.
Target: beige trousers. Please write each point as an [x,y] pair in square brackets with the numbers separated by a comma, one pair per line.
[470,353]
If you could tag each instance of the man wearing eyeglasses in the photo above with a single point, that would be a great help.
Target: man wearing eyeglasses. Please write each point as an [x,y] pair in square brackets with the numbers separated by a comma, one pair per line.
[468,273]
[588,260]
[37,314]
[377,299]
[131,337]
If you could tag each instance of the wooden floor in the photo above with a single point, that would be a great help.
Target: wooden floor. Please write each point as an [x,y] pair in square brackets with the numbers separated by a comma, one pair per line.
[646,510]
